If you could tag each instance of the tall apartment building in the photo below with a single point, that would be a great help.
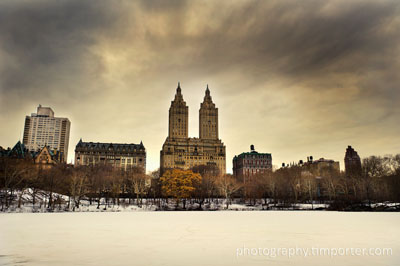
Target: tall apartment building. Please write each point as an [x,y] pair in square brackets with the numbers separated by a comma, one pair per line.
[43,129]
[251,163]
[352,162]
[124,156]
[180,151]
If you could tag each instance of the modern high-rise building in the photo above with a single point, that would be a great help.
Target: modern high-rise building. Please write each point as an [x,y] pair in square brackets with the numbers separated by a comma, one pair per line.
[180,151]
[352,162]
[251,163]
[43,129]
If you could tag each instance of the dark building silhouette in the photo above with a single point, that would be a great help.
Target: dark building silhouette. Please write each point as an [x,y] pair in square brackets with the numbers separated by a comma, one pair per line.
[352,162]
[318,167]
[19,151]
[251,163]
[321,166]
[44,157]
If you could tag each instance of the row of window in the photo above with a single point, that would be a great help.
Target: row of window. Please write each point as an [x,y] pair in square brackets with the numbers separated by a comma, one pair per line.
[257,162]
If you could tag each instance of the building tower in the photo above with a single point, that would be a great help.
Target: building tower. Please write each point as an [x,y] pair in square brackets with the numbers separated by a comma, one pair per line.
[43,129]
[208,118]
[178,116]
[180,151]
[352,162]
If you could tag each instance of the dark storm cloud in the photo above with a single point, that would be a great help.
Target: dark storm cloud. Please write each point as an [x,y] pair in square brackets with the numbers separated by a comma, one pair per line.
[310,43]
[47,42]
[288,38]
[292,38]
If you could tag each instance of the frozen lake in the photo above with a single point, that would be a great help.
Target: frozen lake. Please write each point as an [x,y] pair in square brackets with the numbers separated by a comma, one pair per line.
[199,238]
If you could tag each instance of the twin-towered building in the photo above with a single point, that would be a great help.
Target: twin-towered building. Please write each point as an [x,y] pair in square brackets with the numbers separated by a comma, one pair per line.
[180,151]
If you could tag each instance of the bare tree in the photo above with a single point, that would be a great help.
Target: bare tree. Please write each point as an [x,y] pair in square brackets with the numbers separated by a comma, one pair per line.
[206,190]
[138,182]
[227,185]
[266,186]
[310,188]
[54,181]
[330,183]
[78,184]
[35,183]
[115,183]
[373,168]
[13,173]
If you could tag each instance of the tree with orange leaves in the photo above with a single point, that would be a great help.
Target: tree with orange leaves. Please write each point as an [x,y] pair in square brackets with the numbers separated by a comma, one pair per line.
[179,184]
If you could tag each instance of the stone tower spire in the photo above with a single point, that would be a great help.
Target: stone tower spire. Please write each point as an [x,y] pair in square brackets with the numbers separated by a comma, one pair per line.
[208,118]
[178,116]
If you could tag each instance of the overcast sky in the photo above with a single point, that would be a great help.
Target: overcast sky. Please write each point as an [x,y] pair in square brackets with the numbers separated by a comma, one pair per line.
[294,78]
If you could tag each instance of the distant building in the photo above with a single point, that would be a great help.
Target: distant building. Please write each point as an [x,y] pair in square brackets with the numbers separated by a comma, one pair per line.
[251,163]
[44,157]
[320,167]
[124,156]
[180,151]
[352,162]
[19,151]
[43,129]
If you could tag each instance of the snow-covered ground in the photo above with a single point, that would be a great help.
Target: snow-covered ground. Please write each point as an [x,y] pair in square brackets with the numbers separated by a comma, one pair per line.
[194,238]
[23,203]
[64,203]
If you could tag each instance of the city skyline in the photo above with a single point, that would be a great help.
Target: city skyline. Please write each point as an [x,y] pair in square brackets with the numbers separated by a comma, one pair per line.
[293,79]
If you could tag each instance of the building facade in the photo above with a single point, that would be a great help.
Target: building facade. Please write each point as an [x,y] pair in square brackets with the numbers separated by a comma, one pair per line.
[44,158]
[43,129]
[352,162]
[124,156]
[180,151]
[251,163]
[320,167]
[19,151]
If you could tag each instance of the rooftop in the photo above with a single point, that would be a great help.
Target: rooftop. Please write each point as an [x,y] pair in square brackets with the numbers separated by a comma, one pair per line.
[114,146]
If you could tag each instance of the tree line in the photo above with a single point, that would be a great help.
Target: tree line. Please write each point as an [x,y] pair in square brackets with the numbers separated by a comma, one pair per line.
[378,181]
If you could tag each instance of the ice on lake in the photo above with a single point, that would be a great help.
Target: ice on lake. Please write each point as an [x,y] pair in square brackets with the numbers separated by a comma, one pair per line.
[196,238]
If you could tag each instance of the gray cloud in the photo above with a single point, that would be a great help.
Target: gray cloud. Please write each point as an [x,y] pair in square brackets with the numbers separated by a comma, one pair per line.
[317,75]
[49,42]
